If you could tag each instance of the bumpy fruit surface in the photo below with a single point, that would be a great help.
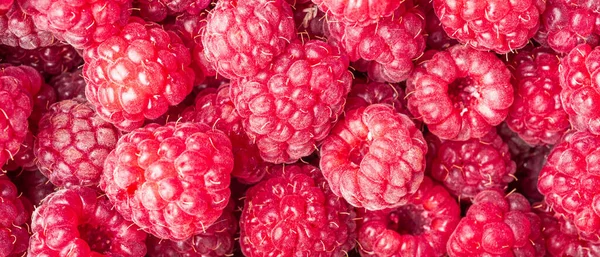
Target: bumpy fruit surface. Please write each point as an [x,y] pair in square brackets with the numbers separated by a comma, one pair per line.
[294,213]
[17,29]
[16,105]
[460,93]
[157,10]
[69,85]
[419,228]
[171,180]
[33,184]
[80,222]
[374,157]
[358,13]
[16,213]
[24,159]
[49,61]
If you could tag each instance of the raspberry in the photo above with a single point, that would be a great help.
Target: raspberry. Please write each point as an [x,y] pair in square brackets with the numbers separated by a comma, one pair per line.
[501,26]
[49,61]
[419,228]
[214,107]
[243,37]
[157,10]
[24,159]
[17,29]
[579,80]
[358,13]
[15,213]
[528,171]
[216,241]
[16,106]
[80,23]
[69,85]
[289,108]
[309,21]
[469,167]
[29,78]
[364,94]
[41,104]
[568,181]
[172,180]
[537,114]
[137,74]
[460,93]
[387,60]
[79,222]
[374,158]
[437,39]
[294,213]
[497,225]
[72,144]
[565,24]
[33,184]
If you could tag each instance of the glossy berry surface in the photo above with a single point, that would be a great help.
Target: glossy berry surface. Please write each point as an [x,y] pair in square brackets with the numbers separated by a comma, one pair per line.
[358,13]
[69,85]
[14,223]
[17,29]
[16,106]
[49,61]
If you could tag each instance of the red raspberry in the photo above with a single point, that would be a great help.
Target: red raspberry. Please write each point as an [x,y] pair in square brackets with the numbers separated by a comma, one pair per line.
[528,172]
[309,21]
[460,93]
[29,78]
[157,10]
[69,85]
[24,159]
[388,46]
[172,180]
[437,39]
[41,104]
[569,182]
[358,13]
[565,24]
[364,94]
[580,94]
[294,213]
[33,184]
[17,29]
[374,158]
[419,228]
[50,60]
[497,225]
[72,144]
[501,25]
[5,5]
[80,222]
[244,37]
[289,108]
[15,106]
[469,167]
[137,74]
[15,212]
[81,23]
[537,114]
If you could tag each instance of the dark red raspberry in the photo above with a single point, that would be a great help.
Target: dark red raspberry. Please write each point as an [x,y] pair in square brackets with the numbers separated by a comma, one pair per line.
[374,157]
[378,45]
[501,26]
[157,10]
[469,167]
[569,181]
[72,144]
[289,108]
[172,180]
[15,214]
[419,228]
[519,150]
[294,213]
[80,222]
[437,39]
[309,21]
[580,81]
[537,114]
[41,104]
[17,29]
[365,93]
[216,241]
[69,85]
[33,184]
[565,24]
[81,23]
[137,74]
[460,93]
[24,159]
[244,37]
[498,225]
[528,172]
[49,61]
[15,107]
[358,13]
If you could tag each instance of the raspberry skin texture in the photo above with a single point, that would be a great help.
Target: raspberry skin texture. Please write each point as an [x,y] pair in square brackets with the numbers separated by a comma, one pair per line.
[537,114]
[460,93]
[158,10]
[24,159]
[69,85]
[568,182]
[358,161]
[17,29]
[80,23]
[528,172]
[291,107]
[78,221]
[72,144]
[48,61]
[358,13]
[437,39]
[137,74]
[16,213]
[171,180]
[16,106]
[243,37]
[579,80]
[365,93]
[29,78]
[501,26]
[498,225]
[41,104]
[419,228]
[294,213]
[33,184]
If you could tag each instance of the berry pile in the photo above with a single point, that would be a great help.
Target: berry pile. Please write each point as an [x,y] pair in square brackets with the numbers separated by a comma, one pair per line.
[325,128]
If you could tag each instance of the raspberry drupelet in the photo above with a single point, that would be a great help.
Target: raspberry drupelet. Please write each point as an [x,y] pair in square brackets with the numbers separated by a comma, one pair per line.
[419,228]
[460,93]
[374,157]
[49,61]
[14,222]
[17,29]
[69,85]
[15,105]
[158,10]
[33,184]
[24,159]
[358,13]
[172,180]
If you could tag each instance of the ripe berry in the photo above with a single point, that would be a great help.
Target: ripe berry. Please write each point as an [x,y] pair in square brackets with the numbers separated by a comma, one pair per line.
[419,228]
[69,85]
[48,61]
[374,158]
[15,105]
[33,184]
[157,10]
[24,159]
[80,222]
[294,213]
[16,213]
[17,29]
[364,94]
[528,172]
[460,93]
[172,180]
[358,13]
